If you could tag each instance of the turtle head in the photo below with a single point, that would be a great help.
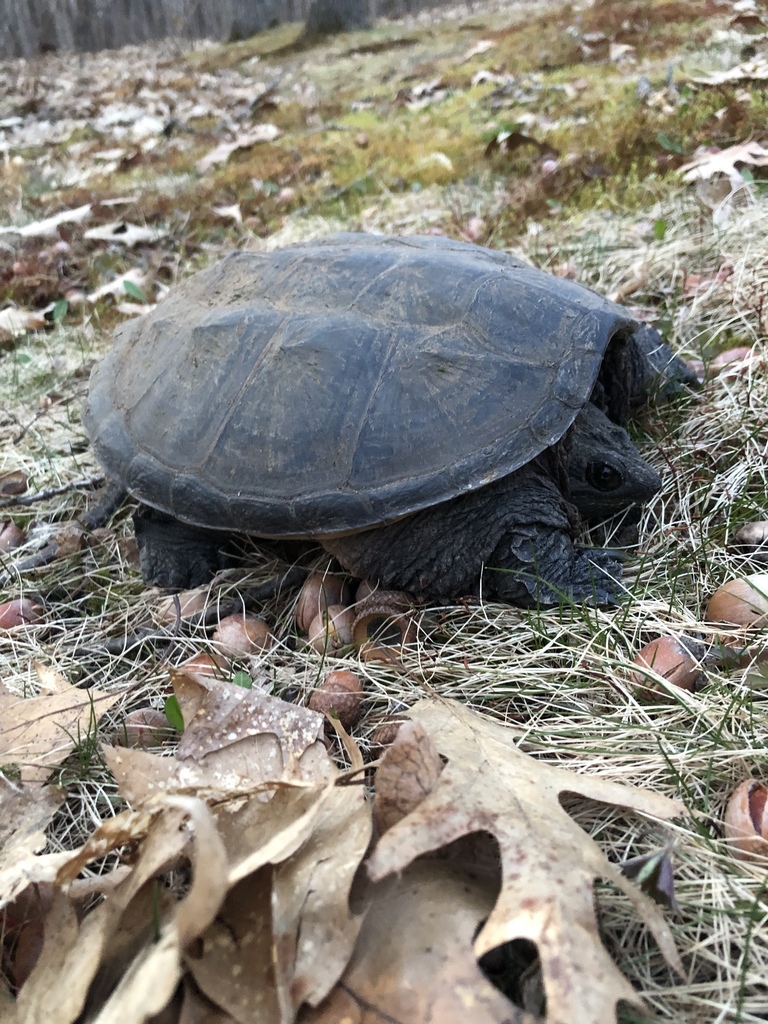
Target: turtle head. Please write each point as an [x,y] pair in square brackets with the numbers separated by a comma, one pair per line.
[605,471]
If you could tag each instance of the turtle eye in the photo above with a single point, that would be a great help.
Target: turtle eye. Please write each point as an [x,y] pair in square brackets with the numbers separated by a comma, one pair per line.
[603,477]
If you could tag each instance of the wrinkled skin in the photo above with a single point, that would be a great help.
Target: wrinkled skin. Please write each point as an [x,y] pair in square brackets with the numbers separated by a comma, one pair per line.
[516,535]
[513,539]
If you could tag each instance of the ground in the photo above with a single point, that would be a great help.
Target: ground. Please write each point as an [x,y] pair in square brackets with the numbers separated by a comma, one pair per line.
[564,135]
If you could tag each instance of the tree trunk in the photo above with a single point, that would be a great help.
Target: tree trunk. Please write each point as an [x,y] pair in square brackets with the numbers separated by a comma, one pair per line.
[326,17]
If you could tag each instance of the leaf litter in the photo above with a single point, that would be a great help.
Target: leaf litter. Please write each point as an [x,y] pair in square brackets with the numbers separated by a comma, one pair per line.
[274,856]
[560,681]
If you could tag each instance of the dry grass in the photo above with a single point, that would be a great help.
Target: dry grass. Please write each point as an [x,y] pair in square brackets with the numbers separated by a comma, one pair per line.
[559,678]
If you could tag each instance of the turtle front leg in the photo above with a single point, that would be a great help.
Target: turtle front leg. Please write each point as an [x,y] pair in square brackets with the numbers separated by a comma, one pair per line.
[513,539]
[175,555]
[536,566]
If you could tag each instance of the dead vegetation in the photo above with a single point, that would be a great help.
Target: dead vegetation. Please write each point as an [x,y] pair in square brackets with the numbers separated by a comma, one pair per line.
[572,151]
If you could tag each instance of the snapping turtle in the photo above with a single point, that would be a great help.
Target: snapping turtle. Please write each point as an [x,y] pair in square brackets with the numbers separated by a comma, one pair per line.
[427,409]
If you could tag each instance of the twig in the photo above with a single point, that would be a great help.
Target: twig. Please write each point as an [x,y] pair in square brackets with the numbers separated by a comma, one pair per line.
[52,492]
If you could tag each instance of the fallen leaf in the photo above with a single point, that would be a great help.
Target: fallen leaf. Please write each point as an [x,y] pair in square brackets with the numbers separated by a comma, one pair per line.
[749,71]
[134,308]
[25,812]
[124,233]
[408,772]
[150,980]
[246,733]
[414,962]
[230,213]
[23,930]
[58,987]
[196,1009]
[49,228]
[723,161]
[549,864]
[233,964]
[507,142]
[314,932]
[134,276]
[39,732]
[15,322]
[620,51]
[222,153]
[49,680]
[481,46]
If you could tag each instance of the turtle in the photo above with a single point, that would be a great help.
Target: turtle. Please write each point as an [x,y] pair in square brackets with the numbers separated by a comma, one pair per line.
[437,415]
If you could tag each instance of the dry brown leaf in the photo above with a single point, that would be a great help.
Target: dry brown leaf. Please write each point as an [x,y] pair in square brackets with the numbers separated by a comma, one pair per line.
[314,931]
[481,46]
[222,153]
[247,733]
[124,233]
[134,276]
[233,966]
[316,839]
[71,963]
[39,732]
[150,981]
[123,829]
[196,1009]
[317,834]
[49,228]
[549,864]
[25,812]
[750,71]
[408,772]
[724,161]
[57,989]
[259,824]
[230,212]
[413,961]
[22,926]
[14,322]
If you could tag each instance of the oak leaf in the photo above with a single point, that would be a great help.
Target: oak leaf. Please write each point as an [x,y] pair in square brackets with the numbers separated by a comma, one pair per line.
[39,732]
[549,865]
[25,811]
[413,961]
[246,733]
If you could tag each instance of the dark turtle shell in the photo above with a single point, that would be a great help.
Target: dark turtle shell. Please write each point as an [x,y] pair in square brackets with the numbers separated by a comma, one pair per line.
[340,383]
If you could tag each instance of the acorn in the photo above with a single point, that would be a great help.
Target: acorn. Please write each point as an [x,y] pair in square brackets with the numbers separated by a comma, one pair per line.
[730,362]
[751,540]
[11,536]
[669,659]
[383,625]
[746,821]
[320,590]
[13,483]
[184,605]
[365,588]
[340,695]
[332,630]
[205,665]
[145,727]
[383,737]
[740,602]
[20,612]
[239,635]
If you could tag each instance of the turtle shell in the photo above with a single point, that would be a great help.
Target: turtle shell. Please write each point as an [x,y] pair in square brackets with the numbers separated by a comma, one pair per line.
[335,385]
